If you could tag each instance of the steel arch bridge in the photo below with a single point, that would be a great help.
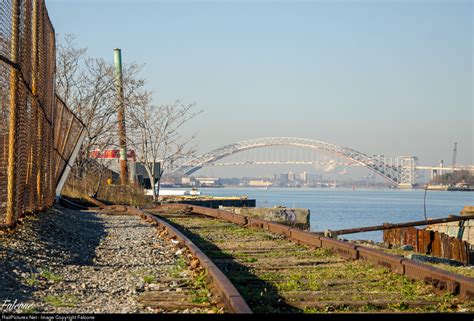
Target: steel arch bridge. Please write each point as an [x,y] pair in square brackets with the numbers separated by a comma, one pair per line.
[395,174]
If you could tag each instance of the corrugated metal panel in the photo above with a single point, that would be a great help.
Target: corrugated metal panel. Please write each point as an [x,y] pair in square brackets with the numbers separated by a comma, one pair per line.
[429,242]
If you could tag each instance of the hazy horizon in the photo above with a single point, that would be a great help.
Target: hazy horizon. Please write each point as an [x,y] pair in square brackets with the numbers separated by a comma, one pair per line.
[386,77]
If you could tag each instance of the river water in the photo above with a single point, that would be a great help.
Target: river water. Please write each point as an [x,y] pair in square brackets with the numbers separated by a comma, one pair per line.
[339,208]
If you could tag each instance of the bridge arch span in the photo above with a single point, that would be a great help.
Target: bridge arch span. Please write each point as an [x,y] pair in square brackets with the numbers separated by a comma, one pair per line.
[391,173]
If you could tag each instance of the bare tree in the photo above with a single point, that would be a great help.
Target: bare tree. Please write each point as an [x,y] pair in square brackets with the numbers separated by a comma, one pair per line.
[155,135]
[87,86]
[68,69]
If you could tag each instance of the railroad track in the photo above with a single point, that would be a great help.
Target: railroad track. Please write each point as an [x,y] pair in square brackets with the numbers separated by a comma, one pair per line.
[275,273]
[259,266]
[224,294]
[129,265]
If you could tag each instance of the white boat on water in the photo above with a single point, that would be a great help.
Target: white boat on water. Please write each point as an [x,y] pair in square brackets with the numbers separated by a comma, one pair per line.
[178,192]
[175,192]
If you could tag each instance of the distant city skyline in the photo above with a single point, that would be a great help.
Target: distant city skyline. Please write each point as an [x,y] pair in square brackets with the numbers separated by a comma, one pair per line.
[258,171]
[287,179]
[383,77]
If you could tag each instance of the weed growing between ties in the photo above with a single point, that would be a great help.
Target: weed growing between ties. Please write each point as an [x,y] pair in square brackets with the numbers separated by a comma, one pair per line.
[201,293]
[66,300]
[149,279]
[44,275]
[463,270]
[275,274]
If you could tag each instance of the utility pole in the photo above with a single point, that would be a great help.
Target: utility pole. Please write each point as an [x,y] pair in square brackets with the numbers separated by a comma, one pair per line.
[121,116]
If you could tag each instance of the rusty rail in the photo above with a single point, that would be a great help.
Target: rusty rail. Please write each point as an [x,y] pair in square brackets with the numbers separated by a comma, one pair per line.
[440,279]
[221,286]
[388,226]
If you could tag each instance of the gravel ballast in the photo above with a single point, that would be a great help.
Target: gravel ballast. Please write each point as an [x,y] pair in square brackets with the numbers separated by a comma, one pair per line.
[68,261]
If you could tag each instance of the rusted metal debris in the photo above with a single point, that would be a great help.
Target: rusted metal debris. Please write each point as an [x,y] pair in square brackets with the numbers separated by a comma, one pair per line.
[388,226]
[279,276]
[440,279]
[430,242]
[94,201]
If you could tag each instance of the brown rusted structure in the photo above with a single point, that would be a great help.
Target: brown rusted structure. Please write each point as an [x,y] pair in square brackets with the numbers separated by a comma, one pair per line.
[441,279]
[388,226]
[121,116]
[429,242]
[37,131]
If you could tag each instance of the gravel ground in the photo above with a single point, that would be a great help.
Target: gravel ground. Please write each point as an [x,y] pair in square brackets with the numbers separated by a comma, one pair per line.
[67,261]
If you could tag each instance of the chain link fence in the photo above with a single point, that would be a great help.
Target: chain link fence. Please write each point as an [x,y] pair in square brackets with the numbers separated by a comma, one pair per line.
[38,132]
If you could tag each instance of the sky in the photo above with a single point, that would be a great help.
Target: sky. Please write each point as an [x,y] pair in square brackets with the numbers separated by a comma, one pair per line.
[381,77]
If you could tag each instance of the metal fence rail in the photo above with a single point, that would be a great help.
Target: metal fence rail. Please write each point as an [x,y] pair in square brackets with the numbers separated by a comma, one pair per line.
[37,134]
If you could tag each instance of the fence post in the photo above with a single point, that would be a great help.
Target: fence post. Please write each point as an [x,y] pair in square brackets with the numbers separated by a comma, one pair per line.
[40,125]
[10,218]
[35,111]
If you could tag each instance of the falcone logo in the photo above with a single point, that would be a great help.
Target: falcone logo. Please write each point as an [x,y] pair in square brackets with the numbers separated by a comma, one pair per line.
[11,306]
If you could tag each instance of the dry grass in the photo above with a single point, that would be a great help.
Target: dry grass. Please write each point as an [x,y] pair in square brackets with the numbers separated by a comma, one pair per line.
[396,250]
[115,194]
[303,278]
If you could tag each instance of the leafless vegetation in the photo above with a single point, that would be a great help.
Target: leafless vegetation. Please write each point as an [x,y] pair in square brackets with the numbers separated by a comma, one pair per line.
[155,135]
[114,194]
[87,86]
